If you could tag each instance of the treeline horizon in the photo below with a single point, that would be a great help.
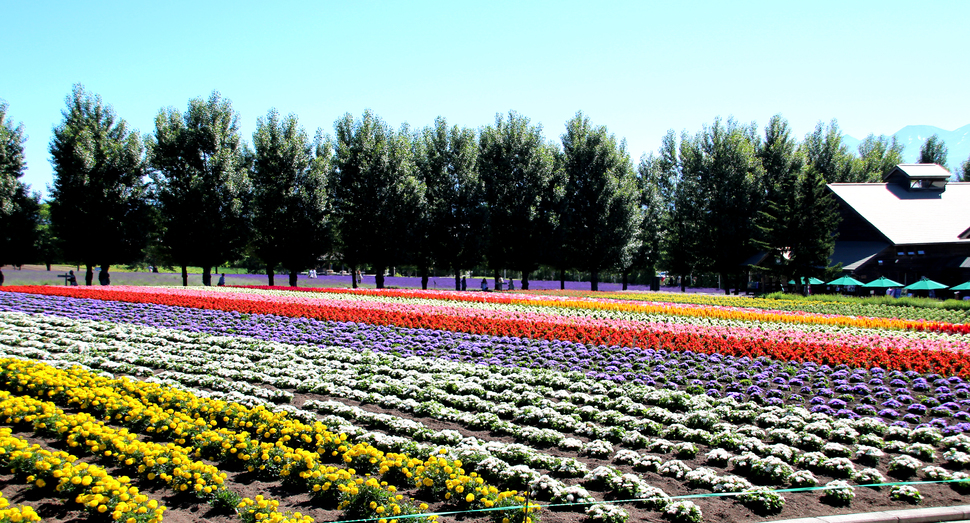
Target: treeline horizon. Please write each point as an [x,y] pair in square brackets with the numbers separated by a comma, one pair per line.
[503,196]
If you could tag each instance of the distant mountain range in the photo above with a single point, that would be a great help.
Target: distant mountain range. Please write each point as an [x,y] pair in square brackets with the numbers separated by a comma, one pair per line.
[913,136]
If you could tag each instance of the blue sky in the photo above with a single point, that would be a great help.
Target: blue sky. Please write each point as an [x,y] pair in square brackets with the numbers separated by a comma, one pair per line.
[640,68]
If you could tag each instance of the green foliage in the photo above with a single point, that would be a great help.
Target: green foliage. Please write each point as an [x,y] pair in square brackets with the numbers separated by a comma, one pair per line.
[720,162]
[98,207]
[878,156]
[826,151]
[681,242]
[778,221]
[522,189]
[815,221]
[602,210]
[933,150]
[291,206]
[378,195]
[964,174]
[12,163]
[18,209]
[200,169]
[650,179]
[450,228]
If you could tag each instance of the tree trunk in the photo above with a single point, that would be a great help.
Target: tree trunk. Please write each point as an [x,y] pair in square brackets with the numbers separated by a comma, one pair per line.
[594,280]
[271,274]
[626,279]
[379,277]
[525,280]
[185,276]
[353,276]
[48,264]
[105,277]
[683,284]
[207,275]
[424,278]
[293,275]
[562,279]
[89,275]
[457,279]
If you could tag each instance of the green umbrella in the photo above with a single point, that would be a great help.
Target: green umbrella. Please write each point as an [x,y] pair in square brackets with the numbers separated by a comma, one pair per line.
[845,280]
[811,281]
[883,282]
[961,287]
[924,285]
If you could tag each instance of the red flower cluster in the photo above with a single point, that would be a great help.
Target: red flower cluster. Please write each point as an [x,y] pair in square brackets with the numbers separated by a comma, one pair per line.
[940,361]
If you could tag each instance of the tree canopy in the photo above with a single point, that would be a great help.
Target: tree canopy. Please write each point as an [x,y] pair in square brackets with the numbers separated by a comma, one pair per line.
[97,203]
[200,169]
[518,172]
[933,150]
[291,204]
[18,208]
[454,216]
[603,210]
[378,194]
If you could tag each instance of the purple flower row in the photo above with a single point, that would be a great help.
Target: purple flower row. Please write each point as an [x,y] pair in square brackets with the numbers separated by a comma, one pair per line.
[839,391]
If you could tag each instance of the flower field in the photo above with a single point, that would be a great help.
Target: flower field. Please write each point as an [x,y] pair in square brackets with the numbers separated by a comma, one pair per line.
[326,404]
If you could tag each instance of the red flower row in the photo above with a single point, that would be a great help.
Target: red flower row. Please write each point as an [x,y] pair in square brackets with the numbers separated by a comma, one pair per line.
[940,361]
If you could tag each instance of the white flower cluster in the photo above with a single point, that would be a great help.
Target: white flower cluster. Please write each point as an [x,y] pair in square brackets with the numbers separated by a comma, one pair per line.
[674,469]
[683,512]
[597,448]
[607,513]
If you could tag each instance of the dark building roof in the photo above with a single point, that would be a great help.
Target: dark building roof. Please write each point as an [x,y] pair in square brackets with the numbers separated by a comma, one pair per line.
[916,222]
[906,216]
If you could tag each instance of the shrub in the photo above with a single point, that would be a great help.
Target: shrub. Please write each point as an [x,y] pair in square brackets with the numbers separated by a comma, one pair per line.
[606,513]
[683,512]
[763,501]
[838,493]
[903,467]
[907,493]
[803,478]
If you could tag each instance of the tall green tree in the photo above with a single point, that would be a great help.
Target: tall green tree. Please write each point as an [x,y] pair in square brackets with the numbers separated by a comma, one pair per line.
[450,232]
[682,217]
[722,158]
[378,195]
[878,156]
[650,179]
[200,169]
[825,150]
[517,168]
[777,221]
[964,174]
[933,150]
[291,206]
[98,202]
[817,219]
[18,209]
[603,204]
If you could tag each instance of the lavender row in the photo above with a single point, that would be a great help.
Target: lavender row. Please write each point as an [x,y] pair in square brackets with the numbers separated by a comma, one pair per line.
[903,398]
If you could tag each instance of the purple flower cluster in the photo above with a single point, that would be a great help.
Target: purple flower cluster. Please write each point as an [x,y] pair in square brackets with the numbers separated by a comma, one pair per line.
[902,397]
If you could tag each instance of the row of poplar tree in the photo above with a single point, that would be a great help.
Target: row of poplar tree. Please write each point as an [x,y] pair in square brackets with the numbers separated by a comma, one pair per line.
[194,193]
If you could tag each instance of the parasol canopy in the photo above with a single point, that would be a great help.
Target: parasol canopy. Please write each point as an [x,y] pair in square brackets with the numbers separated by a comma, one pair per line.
[925,284]
[883,282]
[811,281]
[961,287]
[845,280]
